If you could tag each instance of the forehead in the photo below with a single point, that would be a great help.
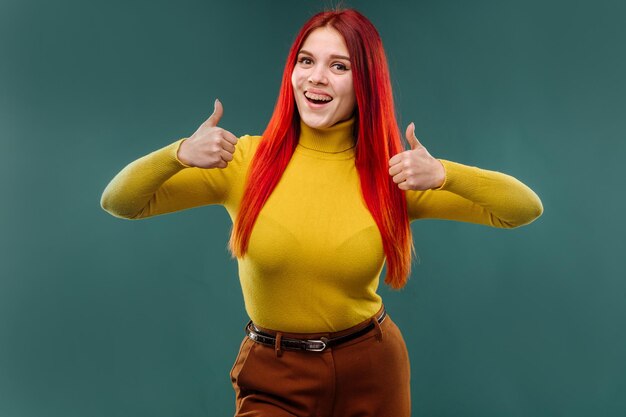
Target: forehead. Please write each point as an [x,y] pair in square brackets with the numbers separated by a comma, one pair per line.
[325,41]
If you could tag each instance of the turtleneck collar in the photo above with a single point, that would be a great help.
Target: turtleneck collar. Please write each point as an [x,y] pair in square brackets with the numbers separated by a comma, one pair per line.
[332,140]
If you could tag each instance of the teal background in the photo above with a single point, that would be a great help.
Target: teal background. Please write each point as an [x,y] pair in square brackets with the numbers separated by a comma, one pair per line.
[106,317]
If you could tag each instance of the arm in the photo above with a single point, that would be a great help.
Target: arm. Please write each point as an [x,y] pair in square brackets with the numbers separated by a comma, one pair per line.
[440,189]
[161,182]
[475,195]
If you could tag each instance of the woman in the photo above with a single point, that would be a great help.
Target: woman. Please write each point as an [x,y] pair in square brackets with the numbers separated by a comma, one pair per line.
[319,202]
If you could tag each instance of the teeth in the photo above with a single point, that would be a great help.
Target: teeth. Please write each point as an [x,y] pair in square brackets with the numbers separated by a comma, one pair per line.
[317,96]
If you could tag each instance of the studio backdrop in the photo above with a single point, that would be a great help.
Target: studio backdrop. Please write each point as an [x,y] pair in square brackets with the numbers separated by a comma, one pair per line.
[104,317]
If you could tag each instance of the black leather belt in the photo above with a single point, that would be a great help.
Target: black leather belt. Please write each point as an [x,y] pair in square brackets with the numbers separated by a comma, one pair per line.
[315,345]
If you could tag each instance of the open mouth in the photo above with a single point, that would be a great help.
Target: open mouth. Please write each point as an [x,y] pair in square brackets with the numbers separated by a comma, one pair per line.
[317,98]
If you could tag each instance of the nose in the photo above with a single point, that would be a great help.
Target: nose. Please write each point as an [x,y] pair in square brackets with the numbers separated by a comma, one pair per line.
[318,75]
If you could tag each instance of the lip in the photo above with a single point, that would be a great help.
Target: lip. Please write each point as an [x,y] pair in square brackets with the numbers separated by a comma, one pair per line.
[312,105]
[318,92]
[315,105]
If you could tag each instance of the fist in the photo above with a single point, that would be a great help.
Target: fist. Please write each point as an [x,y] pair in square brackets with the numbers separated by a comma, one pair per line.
[210,146]
[416,169]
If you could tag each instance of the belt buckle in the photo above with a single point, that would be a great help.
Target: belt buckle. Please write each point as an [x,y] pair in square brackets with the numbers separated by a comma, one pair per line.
[318,341]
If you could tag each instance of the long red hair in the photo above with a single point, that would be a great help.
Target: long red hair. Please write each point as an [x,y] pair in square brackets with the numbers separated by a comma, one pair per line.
[376,130]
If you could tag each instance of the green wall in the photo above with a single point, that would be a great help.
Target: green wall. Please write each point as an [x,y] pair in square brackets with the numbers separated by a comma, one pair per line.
[106,317]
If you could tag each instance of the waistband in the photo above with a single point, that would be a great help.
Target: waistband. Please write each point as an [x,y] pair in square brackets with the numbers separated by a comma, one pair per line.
[314,341]
[316,335]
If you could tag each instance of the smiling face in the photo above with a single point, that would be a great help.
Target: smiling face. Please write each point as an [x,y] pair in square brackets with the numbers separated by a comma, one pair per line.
[322,79]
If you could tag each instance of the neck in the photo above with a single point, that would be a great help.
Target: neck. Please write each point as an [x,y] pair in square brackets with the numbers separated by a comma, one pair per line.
[334,139]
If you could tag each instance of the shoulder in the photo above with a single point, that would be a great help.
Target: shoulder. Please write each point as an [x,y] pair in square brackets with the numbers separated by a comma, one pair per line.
[245,149]
[249,140]
[248,144]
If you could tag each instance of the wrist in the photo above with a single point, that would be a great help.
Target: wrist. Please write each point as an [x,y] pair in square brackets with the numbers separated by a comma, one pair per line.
[180,155]
[440,177]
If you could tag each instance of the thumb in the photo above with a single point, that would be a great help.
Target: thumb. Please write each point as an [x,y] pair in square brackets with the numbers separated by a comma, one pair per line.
[410,136]
[218,111]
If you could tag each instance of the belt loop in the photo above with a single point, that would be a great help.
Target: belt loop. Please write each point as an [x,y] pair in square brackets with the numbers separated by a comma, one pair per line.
[378,329]
[279,337]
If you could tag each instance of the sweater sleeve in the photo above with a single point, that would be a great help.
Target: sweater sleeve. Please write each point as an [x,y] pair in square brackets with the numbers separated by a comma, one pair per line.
[475,195]
[160,183]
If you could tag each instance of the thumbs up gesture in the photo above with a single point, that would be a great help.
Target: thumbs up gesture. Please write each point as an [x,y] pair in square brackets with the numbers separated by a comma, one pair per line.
[416,169]
[210,146]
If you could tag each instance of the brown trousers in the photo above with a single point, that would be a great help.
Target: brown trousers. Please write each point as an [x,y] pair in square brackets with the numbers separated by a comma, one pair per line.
[366,377]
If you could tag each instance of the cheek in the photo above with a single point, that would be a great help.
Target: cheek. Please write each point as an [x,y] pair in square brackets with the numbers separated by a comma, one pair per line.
[347,90]
[293,79]
[296,78]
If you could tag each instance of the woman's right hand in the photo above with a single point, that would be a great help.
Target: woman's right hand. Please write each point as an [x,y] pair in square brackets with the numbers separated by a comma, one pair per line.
[210,146]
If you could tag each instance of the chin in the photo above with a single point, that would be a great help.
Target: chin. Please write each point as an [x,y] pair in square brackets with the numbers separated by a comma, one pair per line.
[315,122]
[316,125]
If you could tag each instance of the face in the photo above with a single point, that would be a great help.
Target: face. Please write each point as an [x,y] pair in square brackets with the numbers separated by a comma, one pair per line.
[322,79]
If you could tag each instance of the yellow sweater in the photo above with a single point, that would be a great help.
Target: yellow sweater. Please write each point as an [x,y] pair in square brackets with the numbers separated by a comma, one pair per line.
[315,253]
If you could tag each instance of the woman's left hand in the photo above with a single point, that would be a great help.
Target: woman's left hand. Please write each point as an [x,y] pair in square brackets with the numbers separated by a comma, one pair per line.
[416,169]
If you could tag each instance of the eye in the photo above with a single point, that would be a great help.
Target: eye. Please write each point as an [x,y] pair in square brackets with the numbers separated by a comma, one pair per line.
[305,60]
[340,66]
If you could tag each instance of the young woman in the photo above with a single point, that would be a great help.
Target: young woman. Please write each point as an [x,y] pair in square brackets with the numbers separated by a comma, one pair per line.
[319,202]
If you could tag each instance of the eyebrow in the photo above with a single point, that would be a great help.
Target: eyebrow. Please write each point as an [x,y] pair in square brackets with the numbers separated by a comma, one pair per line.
[302,51]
